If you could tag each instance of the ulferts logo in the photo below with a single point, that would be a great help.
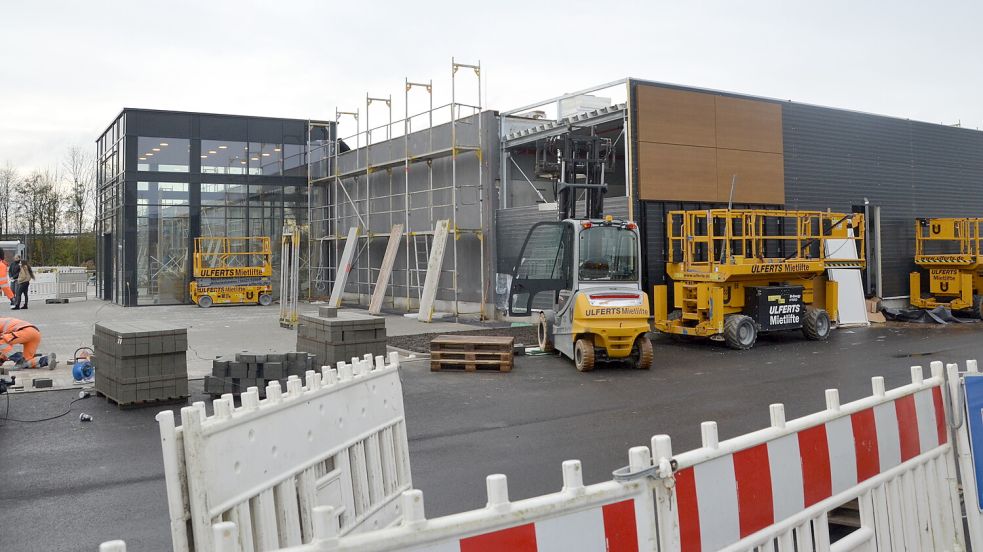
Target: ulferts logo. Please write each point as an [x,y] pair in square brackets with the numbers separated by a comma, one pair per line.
[779,268]
[611,311]
[230,272]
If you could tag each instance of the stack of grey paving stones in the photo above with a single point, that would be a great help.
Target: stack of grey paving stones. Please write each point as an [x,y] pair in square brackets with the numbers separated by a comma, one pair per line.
[141,363]
[256,370]
[334,335]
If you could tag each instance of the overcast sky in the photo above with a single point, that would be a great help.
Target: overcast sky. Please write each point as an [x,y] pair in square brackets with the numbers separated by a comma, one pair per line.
[68,67]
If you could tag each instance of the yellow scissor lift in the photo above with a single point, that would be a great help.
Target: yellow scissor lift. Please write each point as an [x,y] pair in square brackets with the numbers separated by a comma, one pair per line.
[739,272]
[950,250]
[232,270]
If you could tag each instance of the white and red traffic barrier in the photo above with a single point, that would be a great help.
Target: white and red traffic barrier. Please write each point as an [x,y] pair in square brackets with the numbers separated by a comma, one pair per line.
[891,453]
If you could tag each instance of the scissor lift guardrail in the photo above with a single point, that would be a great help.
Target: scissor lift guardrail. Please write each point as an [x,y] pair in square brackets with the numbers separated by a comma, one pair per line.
[949,249]
[715,255]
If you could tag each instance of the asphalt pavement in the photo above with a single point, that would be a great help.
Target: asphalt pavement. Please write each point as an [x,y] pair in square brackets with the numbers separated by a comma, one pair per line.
[69,485]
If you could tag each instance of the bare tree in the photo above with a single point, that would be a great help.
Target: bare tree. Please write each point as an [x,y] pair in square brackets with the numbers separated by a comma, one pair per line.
[39,207]
[9,178]
[80,169]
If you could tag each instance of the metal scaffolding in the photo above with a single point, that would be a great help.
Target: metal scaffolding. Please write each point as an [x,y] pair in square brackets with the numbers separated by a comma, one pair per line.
[363,187]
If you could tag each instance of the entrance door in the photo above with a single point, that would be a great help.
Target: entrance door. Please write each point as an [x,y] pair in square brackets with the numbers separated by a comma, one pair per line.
[107,267]
[544,268]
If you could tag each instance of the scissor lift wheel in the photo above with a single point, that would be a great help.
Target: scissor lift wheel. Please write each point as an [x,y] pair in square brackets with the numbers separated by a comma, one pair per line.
[740,332]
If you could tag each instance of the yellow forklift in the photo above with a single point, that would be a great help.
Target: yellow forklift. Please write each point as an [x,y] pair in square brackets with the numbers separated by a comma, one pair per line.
[232,271]
[949,249]
[739,272]
[582,274]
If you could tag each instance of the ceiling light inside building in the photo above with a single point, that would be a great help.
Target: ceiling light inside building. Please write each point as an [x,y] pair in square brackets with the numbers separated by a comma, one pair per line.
[255,158]
[223,147]
[148,154]
[213,152]
[164,144]
[276,149]
[143,159]
[204,157]
[156,149]
[266,155]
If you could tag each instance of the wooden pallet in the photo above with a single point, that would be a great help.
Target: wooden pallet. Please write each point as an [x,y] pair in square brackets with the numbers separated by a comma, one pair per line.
[471,353]
[143,403]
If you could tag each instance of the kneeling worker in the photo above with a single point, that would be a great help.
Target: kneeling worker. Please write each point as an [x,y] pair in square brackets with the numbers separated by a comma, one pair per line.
[18,332]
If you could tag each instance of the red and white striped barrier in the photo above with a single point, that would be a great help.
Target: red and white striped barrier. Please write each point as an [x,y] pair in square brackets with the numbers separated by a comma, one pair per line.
[772,489]
[740,491]
[751,489]
[612,516]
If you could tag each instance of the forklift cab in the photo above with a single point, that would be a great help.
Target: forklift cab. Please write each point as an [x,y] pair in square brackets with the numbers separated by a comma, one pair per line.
[583,278]
[605,254]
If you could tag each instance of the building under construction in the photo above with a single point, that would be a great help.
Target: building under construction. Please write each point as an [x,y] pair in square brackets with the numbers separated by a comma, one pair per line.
[395,175]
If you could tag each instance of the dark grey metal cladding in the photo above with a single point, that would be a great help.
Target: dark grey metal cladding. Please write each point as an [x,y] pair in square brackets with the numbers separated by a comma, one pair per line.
[834,159]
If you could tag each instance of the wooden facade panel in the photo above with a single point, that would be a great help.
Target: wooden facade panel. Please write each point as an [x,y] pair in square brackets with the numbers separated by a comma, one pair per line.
[677,173]
[760,176]
[670,116]
[748,125]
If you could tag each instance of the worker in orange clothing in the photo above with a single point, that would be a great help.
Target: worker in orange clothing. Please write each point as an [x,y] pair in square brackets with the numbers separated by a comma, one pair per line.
[18,332]
[5,279]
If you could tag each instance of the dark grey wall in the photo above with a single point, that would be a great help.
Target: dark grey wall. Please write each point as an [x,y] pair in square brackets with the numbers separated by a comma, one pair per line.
[834,159]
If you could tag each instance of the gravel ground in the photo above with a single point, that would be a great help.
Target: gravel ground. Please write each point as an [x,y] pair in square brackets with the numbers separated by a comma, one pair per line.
[420,343]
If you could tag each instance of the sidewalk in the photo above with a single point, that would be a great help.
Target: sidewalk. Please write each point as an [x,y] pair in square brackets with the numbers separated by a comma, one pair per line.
[212,332]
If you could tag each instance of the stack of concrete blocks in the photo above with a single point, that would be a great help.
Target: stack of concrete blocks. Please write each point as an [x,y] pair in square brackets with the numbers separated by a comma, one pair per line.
[256,370]
[141,363]
[334,335]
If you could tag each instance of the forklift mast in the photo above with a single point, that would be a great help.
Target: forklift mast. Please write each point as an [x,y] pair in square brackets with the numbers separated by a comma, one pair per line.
[576,162]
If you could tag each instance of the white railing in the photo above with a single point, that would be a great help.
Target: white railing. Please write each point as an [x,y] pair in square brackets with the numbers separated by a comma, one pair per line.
[337,439]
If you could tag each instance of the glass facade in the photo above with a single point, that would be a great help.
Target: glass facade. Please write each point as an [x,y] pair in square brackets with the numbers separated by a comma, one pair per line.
[166,178]
[163,154]
[224,157]
[163,229]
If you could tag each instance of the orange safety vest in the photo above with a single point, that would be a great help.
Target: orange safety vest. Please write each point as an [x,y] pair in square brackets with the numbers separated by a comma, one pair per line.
[13,325]
[4,276]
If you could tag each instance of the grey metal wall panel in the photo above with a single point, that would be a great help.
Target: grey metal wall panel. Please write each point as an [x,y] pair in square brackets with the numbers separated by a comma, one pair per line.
[834,159]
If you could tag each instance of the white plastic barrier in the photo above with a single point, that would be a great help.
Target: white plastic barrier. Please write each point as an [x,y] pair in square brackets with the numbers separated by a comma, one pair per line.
[772,490]
[613,516]
[43,286]
[891,452]
[58,282]
[339,440]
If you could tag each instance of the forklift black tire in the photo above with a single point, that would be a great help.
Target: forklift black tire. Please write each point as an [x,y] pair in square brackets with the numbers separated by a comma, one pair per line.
[740,332]
[642,353]
[265,299]
[204,301]
[583,355]
[543,335]
[816,324]
[978,306]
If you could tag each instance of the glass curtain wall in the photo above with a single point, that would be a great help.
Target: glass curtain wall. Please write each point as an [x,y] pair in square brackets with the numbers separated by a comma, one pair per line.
[163,154]
[163,227]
